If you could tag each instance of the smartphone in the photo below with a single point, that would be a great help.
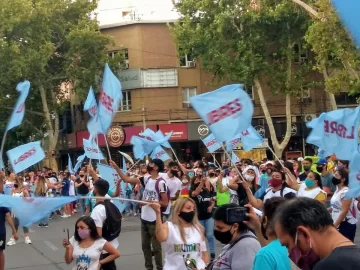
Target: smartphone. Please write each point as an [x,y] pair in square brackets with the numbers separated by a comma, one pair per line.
[237,214]
[67,235]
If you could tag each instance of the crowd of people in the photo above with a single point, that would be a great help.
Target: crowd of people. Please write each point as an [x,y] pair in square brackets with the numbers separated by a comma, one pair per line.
[268,215]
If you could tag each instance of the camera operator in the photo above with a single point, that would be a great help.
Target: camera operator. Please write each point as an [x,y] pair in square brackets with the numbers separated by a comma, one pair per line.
[241,244]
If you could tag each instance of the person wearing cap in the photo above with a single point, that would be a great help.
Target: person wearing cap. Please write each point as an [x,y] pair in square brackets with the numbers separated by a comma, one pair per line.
[148,215]
[326,179]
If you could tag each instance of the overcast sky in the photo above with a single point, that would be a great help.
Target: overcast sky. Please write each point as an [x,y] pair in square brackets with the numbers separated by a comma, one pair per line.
[110,10]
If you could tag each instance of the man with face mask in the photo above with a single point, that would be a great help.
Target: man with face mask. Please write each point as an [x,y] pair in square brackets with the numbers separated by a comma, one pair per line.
[306,228]
[307,163]
[241,244]
[155,190]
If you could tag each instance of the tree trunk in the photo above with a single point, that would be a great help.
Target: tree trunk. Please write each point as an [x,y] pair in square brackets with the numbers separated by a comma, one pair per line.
[278,147]
[52,130]
[330,96]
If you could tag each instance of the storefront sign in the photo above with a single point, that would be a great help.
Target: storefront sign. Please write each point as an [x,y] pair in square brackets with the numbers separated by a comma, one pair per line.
[197,131]
[180,131]
[130,79]
[116,136]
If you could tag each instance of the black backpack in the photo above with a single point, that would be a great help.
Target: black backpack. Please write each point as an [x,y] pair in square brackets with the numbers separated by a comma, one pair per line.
[112,224]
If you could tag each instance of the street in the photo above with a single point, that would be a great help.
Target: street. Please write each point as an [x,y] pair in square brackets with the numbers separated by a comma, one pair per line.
[47,253]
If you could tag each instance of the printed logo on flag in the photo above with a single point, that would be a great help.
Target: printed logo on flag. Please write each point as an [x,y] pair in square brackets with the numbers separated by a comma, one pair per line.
[106,100]
[333,127]
[25,156]
[230,109]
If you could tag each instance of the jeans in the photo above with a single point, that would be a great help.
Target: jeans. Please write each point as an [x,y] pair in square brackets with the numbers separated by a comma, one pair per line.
[82,204]
[16,224]
[208,224]
[348,230]
[44,221]
[148,239]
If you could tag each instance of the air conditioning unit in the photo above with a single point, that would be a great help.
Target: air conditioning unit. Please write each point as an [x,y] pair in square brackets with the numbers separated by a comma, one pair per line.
[293,119]
[191,64]
[309,117]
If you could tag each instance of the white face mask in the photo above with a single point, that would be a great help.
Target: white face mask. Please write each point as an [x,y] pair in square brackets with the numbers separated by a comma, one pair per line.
[249,177]
[185,181]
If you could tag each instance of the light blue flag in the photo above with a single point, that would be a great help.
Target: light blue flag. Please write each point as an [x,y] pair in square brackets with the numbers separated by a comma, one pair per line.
[226,111]
[92,150]
[124,169]
[110,97]
[8,188]
[348,11]
[108,173]
[142,146]
[160,153]
[19,110]
[90,103]
[211,144]
[234,158]
[156,136]
[94,126]
[354,176]
[24,156]
[336,132]
[31,210]
[149,134]
[250,139]
[230,145]
[79,160]
[323,154]
[70,167]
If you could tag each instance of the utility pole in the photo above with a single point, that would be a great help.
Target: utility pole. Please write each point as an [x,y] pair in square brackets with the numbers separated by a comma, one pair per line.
[144,127]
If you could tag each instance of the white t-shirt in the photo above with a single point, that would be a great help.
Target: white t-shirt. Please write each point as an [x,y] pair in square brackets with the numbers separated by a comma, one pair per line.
[311,193]
[98,214]
[72,188]
[87,258]
[336,204]
[177,252]
[269,193]
[174,185]
[150,194]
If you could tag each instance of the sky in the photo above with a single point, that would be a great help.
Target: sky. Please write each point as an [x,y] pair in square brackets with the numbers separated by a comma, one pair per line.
[109,11]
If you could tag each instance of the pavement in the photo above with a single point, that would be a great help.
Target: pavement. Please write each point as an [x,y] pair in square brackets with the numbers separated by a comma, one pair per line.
[47,253]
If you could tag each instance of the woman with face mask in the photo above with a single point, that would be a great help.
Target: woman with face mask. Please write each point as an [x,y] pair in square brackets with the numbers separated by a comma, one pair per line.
[241,245]
[185,186]
[183,238]
[19,191]
[341,208]
[272,256]
[86,246]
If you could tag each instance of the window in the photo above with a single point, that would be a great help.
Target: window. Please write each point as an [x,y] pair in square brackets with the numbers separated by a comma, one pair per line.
[125,53]
[126,102]
[250,91]
[186,60]
[343,99]
[301,54]
[187,93]
[159,77]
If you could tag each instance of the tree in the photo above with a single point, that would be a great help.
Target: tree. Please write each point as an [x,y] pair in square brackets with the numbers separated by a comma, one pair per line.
[336,56]
[251,42]
[58,47]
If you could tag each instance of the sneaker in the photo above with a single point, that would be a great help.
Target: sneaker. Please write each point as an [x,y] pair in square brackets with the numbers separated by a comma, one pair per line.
[135,214]
[46,225]
[40,225]
[75,211]
[65,216]
[58,212]
[51,216]
[27,240]
[212,255]
[11,242]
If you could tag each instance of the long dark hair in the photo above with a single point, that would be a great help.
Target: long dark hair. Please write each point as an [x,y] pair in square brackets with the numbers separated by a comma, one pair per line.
[92,227]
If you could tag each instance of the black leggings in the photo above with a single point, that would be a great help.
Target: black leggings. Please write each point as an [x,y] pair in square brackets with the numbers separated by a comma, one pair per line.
[107,266]
[348,230]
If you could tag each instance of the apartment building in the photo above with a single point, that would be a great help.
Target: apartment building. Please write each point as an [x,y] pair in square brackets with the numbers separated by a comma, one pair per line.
[157,84]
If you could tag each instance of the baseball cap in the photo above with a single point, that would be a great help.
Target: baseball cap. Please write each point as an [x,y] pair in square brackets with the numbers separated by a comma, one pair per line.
[322,161]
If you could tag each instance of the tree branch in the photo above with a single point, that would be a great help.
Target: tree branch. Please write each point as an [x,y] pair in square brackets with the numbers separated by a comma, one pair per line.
[35,128]
[308,8]
[28,111]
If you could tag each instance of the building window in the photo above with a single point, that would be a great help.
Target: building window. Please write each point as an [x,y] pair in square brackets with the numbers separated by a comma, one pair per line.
[159,77]
[186,60]
[250,91]
[343,99]
[301,54]
[125,105]
[125,53]
[187,93]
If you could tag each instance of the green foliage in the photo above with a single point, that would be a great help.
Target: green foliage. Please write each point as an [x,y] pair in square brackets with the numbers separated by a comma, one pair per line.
[239,43]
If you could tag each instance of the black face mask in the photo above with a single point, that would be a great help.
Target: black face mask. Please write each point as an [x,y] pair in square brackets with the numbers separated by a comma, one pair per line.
[336,181]
[223,237]
[49,174]
[319,169]
[149,169]
[16,185]
[211,174]
[81,175]
[187,216]
[263,171]
[174,172]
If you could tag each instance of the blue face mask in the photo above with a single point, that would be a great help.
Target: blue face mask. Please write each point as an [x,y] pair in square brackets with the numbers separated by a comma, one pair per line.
[309,183]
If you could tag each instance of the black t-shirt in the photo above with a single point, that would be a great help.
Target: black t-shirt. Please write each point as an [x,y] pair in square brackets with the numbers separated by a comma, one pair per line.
[243,199]
[83,189]
[342,258]
[3,212]
[203,200]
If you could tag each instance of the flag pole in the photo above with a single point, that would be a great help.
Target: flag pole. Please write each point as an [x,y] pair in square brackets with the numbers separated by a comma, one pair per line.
[2,147]
[107,146]
[215,160]
[113,198]
[172,149]
[228,156]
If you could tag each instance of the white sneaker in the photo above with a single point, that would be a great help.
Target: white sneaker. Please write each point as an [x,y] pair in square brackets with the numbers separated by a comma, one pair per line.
[65,216]
[11,242]
[27,240]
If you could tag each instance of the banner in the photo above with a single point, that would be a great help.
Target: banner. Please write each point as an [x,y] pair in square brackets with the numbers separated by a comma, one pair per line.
[336,132]
[157,136]
[24,156]
[160,153]
[18,113]
[79,160]
[92,150]
[110,97]
[234,158]
[143,147]
[250,138]
[348,11]
[211,144]
[90,103]
[227,111]
[70,167]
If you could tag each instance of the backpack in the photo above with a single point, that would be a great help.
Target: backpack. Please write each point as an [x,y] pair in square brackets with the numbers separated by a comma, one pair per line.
[112,224]
[163,209]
